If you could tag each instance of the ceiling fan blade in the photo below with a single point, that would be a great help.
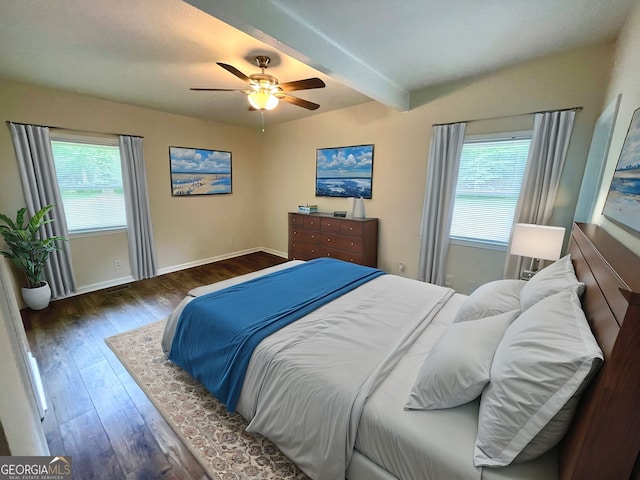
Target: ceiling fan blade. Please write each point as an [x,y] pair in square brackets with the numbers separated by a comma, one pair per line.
[235,71]
[305,84]
[298,101]
[218,89]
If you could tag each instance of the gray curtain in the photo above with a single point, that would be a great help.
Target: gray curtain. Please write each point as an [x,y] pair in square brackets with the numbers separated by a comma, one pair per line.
[40,187]
[442,175]
[547,154]
[141,249]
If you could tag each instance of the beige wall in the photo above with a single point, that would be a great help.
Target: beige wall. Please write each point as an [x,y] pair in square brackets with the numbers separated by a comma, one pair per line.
[578,78]
[624,80]
[275,171]
[186,230]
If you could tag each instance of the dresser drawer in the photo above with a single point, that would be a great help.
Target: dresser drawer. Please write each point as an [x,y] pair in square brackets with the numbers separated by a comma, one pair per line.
[351,228]
[330,225]
[300,221]
[304,235]
[303,251]
[342,242]
[296,219]
[341,255]
[313,248]
[311,223]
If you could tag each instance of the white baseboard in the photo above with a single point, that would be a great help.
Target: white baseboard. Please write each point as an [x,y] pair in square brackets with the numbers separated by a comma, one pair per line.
[174,268]
[41,400]
[205,261]
[274,252]
[114,282]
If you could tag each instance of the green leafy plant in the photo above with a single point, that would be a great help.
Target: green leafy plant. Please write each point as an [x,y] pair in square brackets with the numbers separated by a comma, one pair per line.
[27,250]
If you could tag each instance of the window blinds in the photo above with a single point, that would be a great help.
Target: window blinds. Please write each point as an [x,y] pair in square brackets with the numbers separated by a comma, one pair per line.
[90,182]
[488,188]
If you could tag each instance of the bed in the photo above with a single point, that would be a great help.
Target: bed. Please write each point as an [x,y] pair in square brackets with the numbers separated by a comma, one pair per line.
[371,429]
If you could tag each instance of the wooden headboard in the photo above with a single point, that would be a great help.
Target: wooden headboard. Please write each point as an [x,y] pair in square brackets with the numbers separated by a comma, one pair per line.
[604,439]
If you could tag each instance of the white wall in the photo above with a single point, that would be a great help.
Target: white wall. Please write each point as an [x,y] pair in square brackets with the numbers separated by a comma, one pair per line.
[18,413]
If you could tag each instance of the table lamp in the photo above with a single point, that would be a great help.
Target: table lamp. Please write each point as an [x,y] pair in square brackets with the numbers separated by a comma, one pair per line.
[538,242]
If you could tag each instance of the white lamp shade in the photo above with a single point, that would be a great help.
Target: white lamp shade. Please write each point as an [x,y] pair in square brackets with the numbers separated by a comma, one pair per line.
[262,99]
[537,241]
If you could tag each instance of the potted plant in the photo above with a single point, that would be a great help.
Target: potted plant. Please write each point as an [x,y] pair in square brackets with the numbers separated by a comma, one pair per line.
[29,253]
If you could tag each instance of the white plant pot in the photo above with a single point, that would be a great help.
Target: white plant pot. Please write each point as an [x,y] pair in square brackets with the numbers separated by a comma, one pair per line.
[37,298]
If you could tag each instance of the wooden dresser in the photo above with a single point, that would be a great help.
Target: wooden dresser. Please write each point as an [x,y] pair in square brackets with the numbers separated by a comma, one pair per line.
[323,235]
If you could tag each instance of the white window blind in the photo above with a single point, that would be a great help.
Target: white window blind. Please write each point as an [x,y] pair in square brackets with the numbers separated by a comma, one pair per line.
[90,180]
[489,181]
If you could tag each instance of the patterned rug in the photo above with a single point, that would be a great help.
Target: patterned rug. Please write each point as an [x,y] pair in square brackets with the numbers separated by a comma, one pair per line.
[216,437]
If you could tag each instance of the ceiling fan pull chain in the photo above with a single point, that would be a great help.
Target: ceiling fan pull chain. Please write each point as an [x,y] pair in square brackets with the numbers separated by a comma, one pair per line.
[262,116]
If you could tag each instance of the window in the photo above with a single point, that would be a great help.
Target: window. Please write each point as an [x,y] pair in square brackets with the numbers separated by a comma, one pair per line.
[90,181]
[489,181]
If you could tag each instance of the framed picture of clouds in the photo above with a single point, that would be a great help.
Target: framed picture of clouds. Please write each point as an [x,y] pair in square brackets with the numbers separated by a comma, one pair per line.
[344,171]
[197,171]
[623,199]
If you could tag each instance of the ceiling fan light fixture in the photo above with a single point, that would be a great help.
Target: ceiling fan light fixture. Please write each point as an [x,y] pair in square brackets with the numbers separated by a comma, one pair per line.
[264,91]
[262,99]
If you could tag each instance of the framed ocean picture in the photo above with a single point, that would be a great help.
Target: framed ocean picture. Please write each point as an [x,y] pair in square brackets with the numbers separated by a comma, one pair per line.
[344,171]
[623,199]
[197,171]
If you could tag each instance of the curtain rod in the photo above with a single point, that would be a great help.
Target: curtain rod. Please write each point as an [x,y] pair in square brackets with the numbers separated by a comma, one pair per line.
[575,109]
[74,129]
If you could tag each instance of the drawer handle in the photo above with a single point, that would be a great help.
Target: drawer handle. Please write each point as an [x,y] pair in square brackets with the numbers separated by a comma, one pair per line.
[352,244]
[311,222]
[328,254]
[313,251]
[328,224]
[351,228]
[328,239]
[295,233]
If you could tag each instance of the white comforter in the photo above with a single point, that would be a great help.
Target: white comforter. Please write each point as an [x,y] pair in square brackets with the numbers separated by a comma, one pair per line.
[307,384]
[300,396]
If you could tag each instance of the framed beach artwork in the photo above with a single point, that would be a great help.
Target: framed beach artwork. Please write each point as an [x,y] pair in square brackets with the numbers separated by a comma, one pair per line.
[197,171]
[623,200]
[344,171]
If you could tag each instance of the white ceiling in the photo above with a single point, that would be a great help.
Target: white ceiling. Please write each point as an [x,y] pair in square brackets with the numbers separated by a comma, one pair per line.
[149,52]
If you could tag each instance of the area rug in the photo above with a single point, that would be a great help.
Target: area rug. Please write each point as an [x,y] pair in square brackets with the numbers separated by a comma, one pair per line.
[214,436]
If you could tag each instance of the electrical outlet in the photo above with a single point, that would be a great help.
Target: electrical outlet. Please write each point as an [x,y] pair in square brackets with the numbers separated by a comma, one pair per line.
[401,267]
[117,264]
[448,281]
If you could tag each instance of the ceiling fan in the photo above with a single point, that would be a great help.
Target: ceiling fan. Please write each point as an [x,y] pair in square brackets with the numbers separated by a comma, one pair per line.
[265,91]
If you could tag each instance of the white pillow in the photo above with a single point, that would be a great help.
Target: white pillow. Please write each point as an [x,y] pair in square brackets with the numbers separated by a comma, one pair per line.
[541,364]
[555,278]
[457,367]
[490,299]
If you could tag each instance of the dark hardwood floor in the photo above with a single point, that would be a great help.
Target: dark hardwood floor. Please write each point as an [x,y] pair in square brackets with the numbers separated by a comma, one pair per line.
[97,413]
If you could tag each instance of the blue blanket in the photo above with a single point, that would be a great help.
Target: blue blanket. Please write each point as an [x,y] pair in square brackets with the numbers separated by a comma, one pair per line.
[217,333]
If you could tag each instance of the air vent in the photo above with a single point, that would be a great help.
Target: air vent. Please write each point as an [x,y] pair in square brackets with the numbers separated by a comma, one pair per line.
[116,289]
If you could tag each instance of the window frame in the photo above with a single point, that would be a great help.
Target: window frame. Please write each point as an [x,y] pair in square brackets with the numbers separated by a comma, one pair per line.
[90,139]
[488,137]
